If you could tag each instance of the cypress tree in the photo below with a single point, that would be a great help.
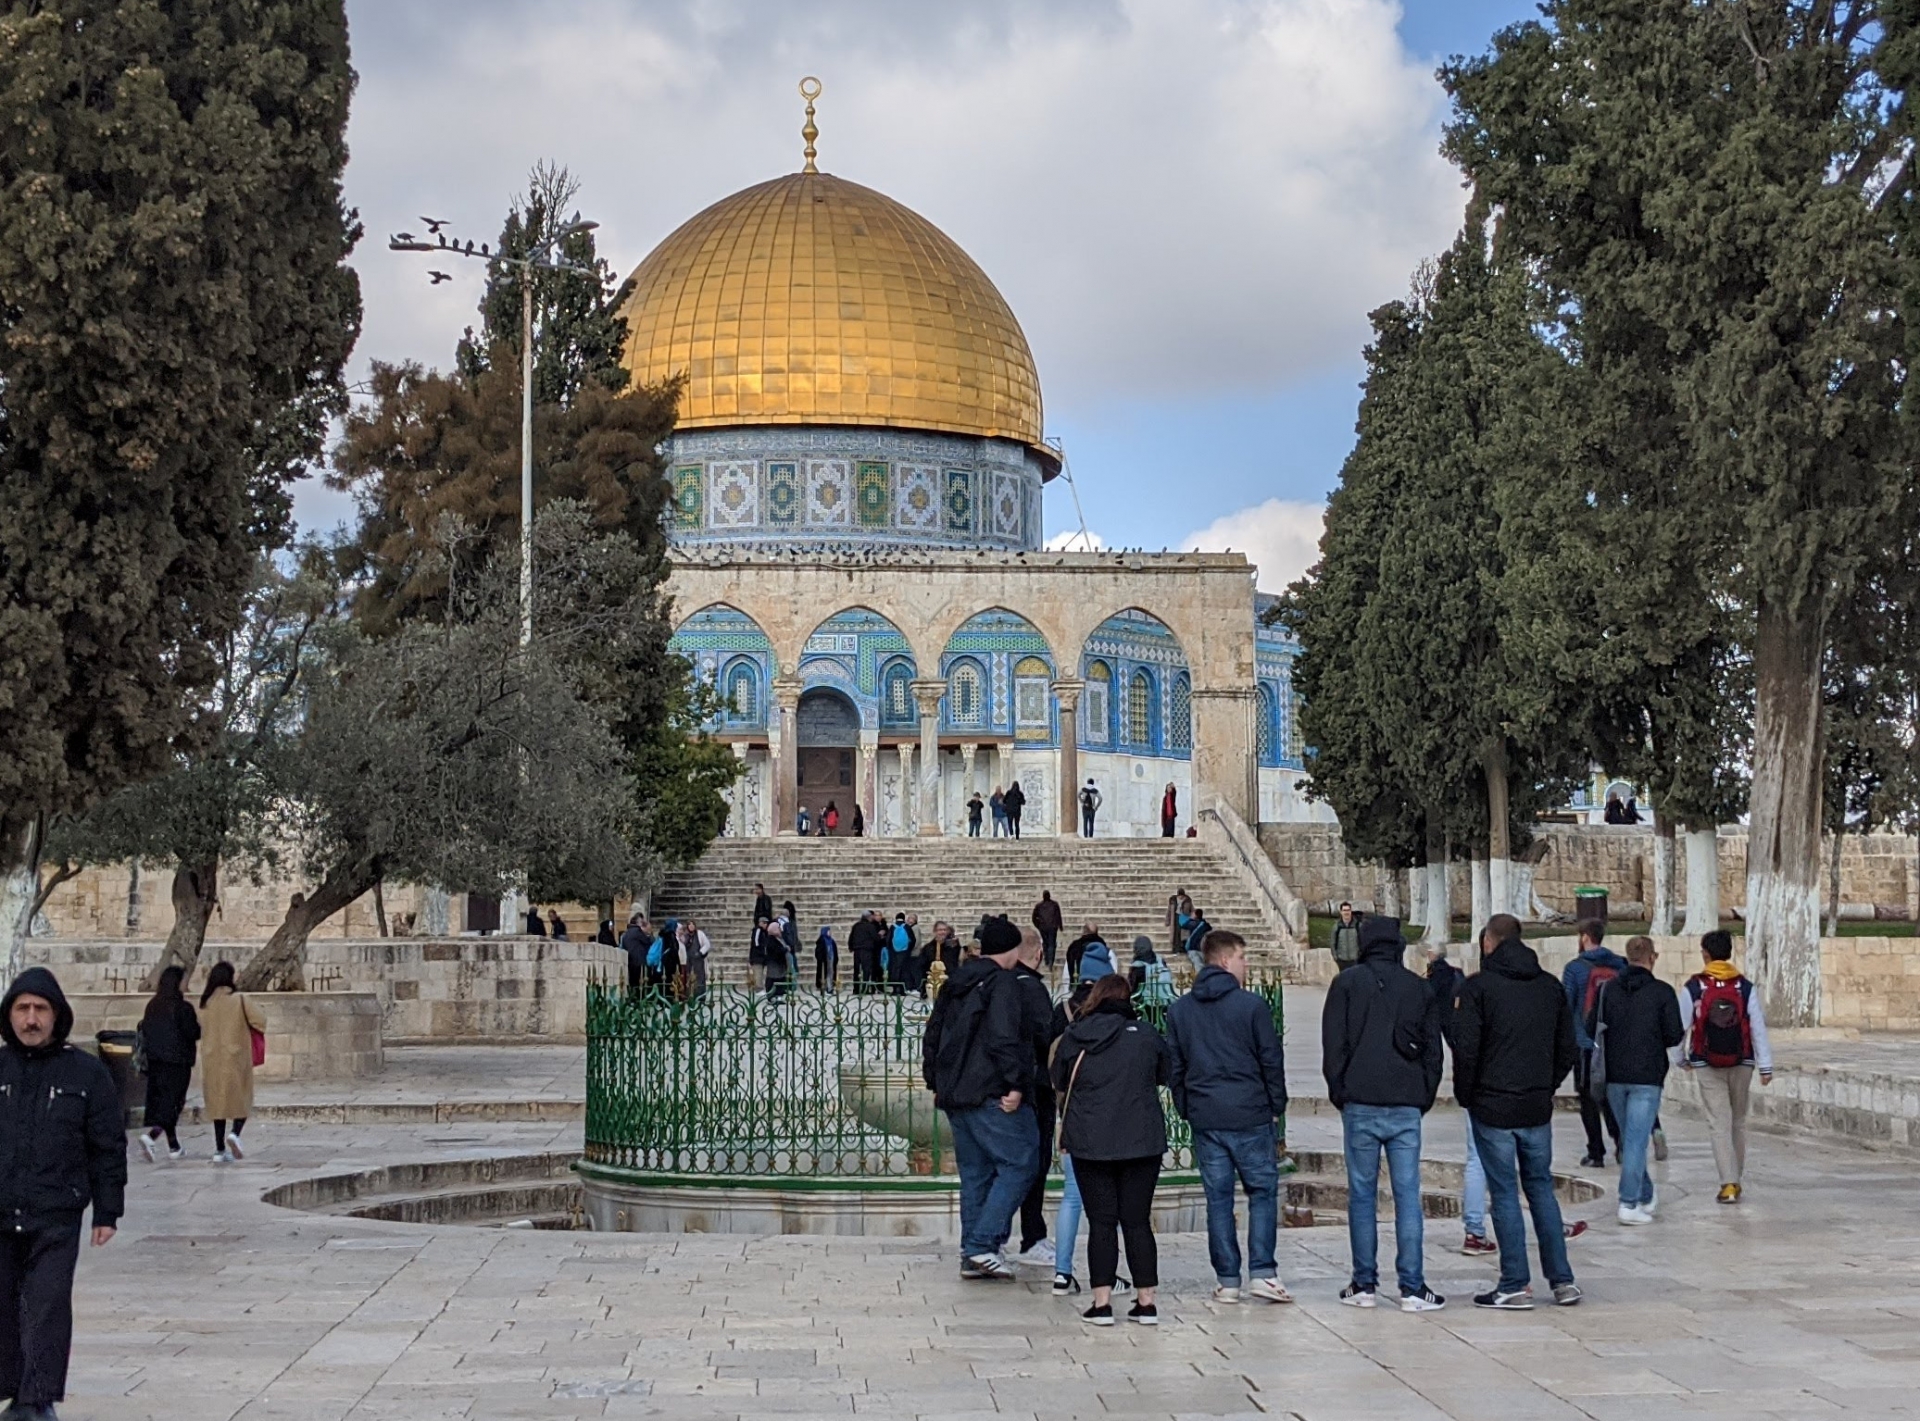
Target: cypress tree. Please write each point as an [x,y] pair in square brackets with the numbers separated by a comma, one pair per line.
[174,314]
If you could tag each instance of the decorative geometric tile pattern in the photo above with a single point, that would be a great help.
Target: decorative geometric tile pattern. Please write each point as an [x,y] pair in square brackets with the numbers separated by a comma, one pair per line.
[687,503]
[959,501]
[916,497]
[829,494]
[871,497]
[733,494]
[783,494]
[1006,506]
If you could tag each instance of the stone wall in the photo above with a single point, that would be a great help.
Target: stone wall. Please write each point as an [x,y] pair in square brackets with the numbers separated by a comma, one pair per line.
[427,989]
[310,1035]
[1879,873]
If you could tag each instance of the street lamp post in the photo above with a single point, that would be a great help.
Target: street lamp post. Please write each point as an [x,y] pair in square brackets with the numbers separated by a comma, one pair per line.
[538,258]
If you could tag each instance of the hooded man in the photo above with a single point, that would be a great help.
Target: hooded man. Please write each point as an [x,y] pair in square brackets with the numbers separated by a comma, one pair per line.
[1096,961]
[1512,1046]
[977,1058]
[636,941]
[1584,978]
[1381,1056]
[62,1147]
[1229,1079]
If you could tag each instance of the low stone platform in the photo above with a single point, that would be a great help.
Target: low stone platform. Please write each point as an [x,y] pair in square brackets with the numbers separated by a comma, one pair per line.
[310,1035]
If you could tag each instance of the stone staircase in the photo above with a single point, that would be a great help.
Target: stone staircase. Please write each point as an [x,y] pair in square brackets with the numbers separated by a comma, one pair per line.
[1121,884]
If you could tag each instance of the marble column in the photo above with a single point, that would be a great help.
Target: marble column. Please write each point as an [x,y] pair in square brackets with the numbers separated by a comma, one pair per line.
[1067,693]
[737,825]
[928,695]
[907,796]
[967,752]
[867,781]
[785,753]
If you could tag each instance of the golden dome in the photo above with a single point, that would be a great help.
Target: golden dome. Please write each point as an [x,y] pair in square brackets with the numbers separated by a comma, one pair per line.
[813,300]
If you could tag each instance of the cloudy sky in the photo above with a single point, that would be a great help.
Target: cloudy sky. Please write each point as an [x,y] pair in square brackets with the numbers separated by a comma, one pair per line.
[1191,205]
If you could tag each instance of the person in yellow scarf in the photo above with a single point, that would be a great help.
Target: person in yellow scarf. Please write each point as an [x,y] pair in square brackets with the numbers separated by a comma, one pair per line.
[1724,1043]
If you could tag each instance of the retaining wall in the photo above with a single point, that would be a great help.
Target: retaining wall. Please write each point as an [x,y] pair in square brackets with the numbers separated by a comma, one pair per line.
[310,1035]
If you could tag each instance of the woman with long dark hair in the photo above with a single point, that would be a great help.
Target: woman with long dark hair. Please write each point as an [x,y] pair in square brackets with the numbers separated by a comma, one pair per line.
[169,1035]
[227,1024]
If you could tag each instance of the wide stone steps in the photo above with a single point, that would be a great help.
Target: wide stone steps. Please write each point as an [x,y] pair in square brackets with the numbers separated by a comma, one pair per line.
[1122,884]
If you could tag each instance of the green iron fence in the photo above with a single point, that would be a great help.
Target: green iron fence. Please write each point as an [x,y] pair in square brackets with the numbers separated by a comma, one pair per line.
[738,1084]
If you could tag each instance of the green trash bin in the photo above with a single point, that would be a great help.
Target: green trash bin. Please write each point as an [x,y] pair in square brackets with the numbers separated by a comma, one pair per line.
[116,1054]
[1590,905]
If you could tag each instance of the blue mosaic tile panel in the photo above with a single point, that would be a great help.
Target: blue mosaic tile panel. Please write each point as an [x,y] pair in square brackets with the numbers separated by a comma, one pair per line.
[872,498]
[688,504]
[959,501]
[783,494]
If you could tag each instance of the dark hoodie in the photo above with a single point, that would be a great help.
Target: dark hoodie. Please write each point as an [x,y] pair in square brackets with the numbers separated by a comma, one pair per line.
[1224,1063]
[1575,978]
[977,1046]
[1380,1030]
[62,1140]
[1642,1014]
[1512,1040]
[1107,1074]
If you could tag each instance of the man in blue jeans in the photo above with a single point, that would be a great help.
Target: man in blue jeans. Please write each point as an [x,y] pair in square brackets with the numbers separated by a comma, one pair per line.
[1229,1080]
[977,1058]
[1637,1017]
[1512,1046]
[1381,1056]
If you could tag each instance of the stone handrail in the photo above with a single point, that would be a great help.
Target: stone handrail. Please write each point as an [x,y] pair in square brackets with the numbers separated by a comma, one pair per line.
[1227,831]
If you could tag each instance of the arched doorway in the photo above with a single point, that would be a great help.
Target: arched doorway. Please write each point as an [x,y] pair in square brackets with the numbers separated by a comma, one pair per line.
[829,731]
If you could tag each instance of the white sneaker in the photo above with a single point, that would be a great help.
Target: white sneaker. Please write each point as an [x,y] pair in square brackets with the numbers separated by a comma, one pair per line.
[1653,1202]
[146,1147]
[1041,1254]
[1268,1290]
[1633,1214]
[222,1157]
[1224,1294]
[233,1147]
[176,1152]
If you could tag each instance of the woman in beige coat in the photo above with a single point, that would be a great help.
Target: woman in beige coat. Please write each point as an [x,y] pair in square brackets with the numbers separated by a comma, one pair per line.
[227,1023]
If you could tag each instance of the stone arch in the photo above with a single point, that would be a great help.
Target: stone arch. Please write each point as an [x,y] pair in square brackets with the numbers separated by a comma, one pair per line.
[730,652]
[951,629]
[993,641]
[852,650]
[1149,696]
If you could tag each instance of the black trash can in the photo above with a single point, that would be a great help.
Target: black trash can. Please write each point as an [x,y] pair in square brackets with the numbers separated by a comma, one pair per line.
[1590,905]
[116,1053]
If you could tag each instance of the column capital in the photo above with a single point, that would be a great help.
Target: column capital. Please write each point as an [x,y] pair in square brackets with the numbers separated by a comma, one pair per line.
[1067,691]
[928,694]
[786,692]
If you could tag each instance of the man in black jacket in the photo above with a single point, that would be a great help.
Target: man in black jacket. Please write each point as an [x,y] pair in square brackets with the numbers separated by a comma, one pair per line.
[1229,1079]
[1637,1022]
[634,942]
[977,1059]
[1036,1001]
[1381,1055]
[62,1147]
[1512,1046]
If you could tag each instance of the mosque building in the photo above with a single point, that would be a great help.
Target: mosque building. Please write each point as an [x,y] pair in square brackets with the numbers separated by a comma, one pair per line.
[858,474]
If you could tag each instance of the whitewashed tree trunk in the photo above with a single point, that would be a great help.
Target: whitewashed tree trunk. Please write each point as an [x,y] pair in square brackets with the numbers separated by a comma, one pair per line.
[1389,892]
[1520,896]
[1439,912]
[1783,838]
[19,886]
[1482,896]
[1703,882]
[1662,911]
[1500,877]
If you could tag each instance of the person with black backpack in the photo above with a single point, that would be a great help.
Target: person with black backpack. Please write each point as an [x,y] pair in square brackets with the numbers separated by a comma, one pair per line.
[1636,1022]
[1591,970]
[1725,1030]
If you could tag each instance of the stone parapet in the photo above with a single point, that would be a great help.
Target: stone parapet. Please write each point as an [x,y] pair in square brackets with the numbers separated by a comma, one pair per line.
[310,1035]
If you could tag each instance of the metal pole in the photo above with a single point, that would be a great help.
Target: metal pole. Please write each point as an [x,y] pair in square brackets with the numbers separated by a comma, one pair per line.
[526,456]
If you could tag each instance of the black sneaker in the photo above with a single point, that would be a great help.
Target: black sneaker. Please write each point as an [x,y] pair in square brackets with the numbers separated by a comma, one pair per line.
[1521,1301]
[1355,1296]
[1099,1315]
[1426,1300]
[1065,1284]
[990,1267]
[1593,1161]
[1122,1285]
[1146,1314]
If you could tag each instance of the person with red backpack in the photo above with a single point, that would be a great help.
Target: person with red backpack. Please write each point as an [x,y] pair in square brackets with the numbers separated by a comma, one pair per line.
[1724,1043]
[1583,978]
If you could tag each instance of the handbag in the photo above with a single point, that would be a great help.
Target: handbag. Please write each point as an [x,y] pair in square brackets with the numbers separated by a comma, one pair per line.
[1060,1123]
[1597,1058]
[259,1045]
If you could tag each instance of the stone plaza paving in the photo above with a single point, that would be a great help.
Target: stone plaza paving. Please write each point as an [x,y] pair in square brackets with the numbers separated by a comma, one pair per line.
[1804,1301]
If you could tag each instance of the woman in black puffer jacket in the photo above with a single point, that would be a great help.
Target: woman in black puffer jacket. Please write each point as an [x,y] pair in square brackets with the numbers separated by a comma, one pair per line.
[169,1032]
[1107,1073]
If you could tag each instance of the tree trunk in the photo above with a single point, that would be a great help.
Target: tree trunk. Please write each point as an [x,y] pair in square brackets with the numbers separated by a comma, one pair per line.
[1833,882]
[19,887]
[1432,905]
[196,891]
[46,887]
[1703,882]
[280,965]
[134,906]
[1783,840]
[1662,911]
[1482,895]
[1499,835]
[380,907]
[1388,891]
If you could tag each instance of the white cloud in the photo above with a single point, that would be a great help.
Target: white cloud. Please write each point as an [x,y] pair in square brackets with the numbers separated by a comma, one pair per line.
[1076,542]
[1281,538]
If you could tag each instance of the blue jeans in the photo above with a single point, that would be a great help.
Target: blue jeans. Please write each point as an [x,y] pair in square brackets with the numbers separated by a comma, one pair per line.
[996,1153]
[1220,1156]
[1516,1161]
[1636,1107]
[1369,1129]
[1473,1199]
[1066,1223]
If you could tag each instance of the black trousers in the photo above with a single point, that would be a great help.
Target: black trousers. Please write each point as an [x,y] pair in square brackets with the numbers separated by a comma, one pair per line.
[36,1308]
[166,1095]
[1049,942]
[1118,1197]
[1594,1113]
[1033,1208]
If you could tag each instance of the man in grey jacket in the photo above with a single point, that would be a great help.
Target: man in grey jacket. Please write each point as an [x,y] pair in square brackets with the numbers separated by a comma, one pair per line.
[1229,1080]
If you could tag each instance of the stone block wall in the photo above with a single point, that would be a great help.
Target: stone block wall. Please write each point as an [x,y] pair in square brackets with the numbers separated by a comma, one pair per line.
[310,1035]
[426,989]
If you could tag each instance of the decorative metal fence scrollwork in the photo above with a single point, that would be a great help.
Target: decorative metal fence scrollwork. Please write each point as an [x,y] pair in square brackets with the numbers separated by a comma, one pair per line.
[738,1084]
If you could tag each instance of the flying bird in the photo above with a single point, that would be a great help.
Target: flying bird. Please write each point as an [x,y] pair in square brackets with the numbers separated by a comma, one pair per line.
[434,224]
[438,277]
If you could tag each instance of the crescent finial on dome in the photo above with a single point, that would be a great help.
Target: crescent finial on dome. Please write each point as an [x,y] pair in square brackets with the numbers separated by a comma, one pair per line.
[810,90]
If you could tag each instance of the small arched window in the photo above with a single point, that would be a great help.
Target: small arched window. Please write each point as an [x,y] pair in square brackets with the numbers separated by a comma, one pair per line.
[743,692]
[1180,714]
[966,699]
[1097,714]
[896,701]
[1140,710]
[1266,738]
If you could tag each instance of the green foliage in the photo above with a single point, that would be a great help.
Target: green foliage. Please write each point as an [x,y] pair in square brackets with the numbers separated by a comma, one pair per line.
[175,310]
